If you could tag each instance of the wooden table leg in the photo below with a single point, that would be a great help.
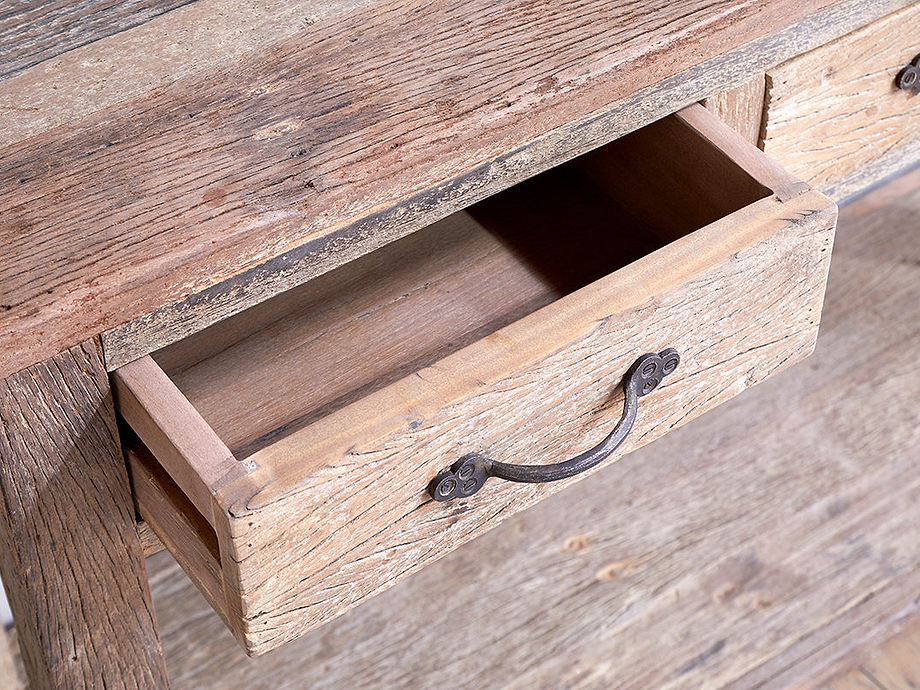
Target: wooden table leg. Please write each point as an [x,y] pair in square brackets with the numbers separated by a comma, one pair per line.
[69,552]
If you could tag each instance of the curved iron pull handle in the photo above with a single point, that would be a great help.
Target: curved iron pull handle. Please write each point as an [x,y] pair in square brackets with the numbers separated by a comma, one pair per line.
[908,79]
[467,475]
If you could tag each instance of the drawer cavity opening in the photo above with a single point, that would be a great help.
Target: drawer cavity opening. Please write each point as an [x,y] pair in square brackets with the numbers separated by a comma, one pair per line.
[279,367]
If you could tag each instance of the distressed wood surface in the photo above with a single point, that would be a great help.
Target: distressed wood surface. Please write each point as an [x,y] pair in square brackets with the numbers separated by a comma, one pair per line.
[208,205]
[741,107]
[751,548]
[411,303]
[515,399]
[69,554]
[183,530]
[835,117]
[32,31]
[455,282]
[11,675]
[193,37]
[171,427]
[391,440]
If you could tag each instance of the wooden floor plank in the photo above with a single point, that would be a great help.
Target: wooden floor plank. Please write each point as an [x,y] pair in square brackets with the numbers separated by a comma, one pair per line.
[757,547]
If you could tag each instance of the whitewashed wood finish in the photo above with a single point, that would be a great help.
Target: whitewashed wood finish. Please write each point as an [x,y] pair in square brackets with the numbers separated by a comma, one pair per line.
[835,117]
[173,321]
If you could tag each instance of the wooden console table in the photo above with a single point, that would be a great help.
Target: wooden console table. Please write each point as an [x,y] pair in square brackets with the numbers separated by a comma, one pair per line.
[166,165]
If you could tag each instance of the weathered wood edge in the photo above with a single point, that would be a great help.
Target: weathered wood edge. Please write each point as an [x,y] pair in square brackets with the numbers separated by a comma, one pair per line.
[28,41]
[166,325]
[287,481]
[888,165]
[185,444]
[758,164]
[520,344]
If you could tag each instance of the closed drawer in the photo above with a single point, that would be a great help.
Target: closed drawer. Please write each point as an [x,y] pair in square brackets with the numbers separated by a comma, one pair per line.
[284,455]
[835,116]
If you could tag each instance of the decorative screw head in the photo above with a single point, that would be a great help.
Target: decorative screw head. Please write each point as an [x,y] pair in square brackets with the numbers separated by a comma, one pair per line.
[446,487]
[908,78]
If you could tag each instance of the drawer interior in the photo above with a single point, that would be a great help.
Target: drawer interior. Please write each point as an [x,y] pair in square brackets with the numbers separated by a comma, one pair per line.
[278,367]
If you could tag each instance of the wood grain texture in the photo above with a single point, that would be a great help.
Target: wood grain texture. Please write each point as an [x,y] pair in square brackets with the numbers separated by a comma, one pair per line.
[517,393]
[741,107]
[778,534]
[354,330]
[186,446]
[280,366]
[763,169]
[69,553]
[31,31]
[376,139]
[150,542]
[835,117]
[192,37]
[277,557]
[180,527]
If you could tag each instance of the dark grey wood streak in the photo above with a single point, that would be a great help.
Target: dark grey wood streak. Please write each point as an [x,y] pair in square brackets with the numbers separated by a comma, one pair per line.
[324,251]
[69,550]
[32,31]
[336,140]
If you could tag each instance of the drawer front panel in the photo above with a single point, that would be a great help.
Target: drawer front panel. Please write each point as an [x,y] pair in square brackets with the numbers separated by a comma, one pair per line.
[835,117]
[318,519]
[366,520]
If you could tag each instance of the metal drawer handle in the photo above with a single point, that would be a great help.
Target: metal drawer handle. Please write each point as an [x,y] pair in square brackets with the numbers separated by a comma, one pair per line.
[467,475]
[909,78]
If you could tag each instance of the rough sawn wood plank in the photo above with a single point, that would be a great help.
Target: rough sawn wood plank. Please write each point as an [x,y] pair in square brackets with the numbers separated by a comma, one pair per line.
[69,550]
[33,31]
[333,142]
[835,116]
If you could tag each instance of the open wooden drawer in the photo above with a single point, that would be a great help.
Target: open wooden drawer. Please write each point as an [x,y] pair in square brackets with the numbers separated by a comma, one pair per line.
[284,455]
